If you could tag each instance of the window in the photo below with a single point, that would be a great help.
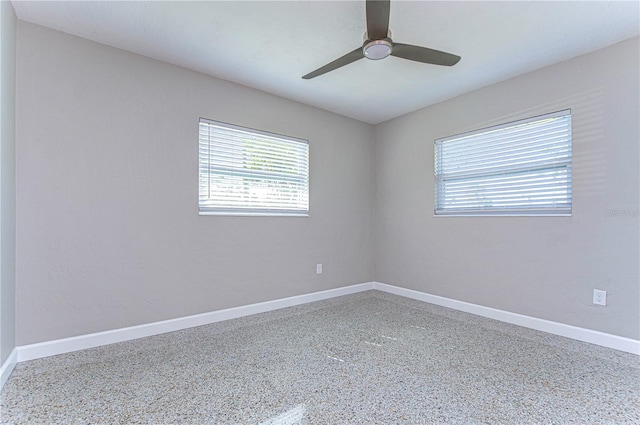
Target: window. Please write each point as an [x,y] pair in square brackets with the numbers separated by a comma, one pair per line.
[519,168]
[250,172]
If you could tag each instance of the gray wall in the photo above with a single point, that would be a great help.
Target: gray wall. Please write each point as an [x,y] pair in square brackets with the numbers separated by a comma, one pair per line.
[7,180]
[543,267]
[108,228]
[109,235]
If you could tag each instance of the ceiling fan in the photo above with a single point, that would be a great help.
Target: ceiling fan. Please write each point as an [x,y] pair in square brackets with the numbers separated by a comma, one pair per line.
[378,44]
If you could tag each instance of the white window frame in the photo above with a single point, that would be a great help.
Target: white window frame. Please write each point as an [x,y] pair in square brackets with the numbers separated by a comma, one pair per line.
[234,180]
[500,166]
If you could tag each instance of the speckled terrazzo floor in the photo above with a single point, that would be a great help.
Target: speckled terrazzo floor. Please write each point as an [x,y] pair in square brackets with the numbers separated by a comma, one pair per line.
[368,358]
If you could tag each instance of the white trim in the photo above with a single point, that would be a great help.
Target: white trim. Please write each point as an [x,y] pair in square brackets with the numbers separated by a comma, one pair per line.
[7,367]
[581,334]
[540,117]
[67,345]
[81,342]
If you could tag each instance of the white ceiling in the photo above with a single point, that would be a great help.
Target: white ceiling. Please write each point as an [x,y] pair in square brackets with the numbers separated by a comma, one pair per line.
[269,45]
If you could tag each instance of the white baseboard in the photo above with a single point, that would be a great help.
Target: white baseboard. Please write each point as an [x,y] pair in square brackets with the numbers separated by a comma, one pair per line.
[7,367]
[67,345]
[581,334]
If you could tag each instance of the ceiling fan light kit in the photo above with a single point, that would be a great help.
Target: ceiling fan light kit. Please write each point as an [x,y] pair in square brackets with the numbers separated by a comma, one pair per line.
[377,49]
[378,44]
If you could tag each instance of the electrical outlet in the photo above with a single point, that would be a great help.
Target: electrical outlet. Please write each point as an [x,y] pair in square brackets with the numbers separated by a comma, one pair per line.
[318,268]
[599,297]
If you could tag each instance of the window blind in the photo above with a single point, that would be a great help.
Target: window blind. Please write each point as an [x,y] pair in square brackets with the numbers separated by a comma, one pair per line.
[521,168]
[251,172]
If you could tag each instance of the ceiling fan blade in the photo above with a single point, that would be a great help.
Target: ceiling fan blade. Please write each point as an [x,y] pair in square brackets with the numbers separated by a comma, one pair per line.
[377,19]
[423,54]
[342,61]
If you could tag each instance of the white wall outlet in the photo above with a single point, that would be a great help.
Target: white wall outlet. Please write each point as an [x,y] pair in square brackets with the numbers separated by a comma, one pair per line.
[318,268]
[599,297]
